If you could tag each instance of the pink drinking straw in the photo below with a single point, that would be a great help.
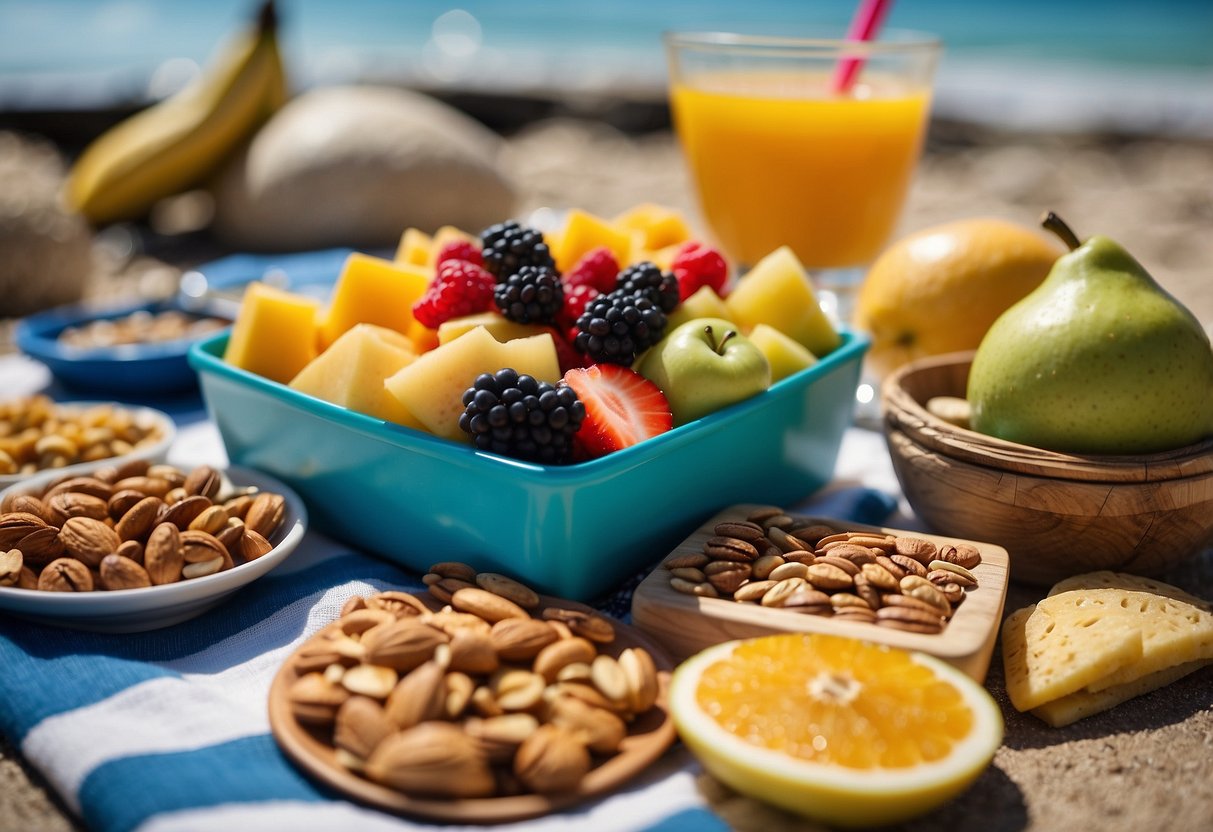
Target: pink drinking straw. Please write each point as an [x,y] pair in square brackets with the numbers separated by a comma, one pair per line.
[864,26]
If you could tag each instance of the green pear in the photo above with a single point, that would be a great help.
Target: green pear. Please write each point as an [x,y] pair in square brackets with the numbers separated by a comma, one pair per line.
[1099,359]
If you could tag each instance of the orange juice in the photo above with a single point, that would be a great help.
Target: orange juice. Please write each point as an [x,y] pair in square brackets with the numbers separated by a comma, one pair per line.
[779,160]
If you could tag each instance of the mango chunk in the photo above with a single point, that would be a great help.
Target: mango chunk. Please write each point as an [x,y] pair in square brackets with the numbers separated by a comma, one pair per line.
[778,292]
[583,232]
[414,247]
[659,226]
[274,334]
[371,290]
[351,373]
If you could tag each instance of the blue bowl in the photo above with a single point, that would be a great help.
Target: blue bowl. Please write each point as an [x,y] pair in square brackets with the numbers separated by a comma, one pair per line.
[152,369]
[573,531]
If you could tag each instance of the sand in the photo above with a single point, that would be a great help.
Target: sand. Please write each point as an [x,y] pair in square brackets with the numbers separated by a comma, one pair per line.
[1147,764]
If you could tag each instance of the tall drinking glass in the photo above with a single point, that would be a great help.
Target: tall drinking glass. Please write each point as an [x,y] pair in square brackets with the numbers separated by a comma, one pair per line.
[780,156]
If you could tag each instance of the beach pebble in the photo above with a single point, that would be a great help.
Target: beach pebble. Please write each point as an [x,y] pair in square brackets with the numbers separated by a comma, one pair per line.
[356,166]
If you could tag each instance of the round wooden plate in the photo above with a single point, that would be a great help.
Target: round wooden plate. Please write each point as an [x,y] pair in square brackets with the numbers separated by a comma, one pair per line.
[648,738]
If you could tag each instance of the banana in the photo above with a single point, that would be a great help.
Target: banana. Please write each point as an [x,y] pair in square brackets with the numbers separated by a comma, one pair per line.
[177,143]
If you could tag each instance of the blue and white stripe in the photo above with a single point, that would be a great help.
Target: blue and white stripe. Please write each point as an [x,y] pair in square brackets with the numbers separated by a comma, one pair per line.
[168,730]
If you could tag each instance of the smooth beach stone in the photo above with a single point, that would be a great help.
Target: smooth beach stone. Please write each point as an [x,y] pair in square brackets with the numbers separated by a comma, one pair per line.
[355,165]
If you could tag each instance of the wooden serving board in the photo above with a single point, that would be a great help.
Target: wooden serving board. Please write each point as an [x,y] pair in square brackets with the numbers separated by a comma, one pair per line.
[686,624]
[648,738]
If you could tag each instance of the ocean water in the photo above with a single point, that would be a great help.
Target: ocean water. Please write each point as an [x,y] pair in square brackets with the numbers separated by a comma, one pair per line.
[1082,64]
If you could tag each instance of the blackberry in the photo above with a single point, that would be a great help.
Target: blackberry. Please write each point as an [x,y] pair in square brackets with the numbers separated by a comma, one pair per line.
[531,295]
[617,327]
[508,246]
[647,279]
[517,416]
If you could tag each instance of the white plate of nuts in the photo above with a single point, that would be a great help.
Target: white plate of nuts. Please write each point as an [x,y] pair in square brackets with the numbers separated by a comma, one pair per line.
[139,546]
[480,702]
[39,435]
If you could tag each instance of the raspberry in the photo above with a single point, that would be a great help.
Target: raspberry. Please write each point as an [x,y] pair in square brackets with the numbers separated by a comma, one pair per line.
[460,288]
[597,267]
[697,265]
[575,300]
[459,250]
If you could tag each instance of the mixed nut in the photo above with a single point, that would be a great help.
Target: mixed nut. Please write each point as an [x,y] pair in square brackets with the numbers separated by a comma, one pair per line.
[37,434]
[140,327]
[769,558]
[133,526]
[492,694]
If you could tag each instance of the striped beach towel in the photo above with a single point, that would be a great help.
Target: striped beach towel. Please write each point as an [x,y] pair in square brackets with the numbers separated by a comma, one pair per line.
[168,730]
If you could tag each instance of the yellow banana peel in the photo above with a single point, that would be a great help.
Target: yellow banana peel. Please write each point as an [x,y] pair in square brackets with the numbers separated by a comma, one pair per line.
[176,144]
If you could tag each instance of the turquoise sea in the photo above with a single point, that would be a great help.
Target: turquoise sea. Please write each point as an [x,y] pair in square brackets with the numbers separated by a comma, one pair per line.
[1077,63]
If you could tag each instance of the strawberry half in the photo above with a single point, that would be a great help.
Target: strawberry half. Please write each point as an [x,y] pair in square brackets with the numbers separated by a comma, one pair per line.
[622,408]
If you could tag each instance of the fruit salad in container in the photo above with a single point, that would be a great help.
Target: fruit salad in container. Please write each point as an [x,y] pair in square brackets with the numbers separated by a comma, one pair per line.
[551,347]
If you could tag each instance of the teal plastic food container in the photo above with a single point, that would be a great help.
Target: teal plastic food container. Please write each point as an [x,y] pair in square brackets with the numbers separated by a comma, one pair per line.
[572,531]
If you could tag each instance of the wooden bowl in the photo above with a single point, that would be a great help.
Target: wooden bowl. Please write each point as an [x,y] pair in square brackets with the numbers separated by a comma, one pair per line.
[649,736]
[1056,514]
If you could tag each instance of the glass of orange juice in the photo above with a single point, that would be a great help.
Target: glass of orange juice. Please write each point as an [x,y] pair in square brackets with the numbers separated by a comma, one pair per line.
[784,152]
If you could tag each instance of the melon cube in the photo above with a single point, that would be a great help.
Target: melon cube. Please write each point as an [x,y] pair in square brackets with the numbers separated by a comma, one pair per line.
[274,334]
[535,356]
[703,303]
[414,248]
[371,290]
[498,325]
[778,292]
[351,373]
[785,356]
[583,232]
[432,387]
[660,226]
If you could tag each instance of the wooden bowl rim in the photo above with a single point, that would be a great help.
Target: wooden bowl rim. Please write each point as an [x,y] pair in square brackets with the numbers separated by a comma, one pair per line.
[904,412]
[649,737]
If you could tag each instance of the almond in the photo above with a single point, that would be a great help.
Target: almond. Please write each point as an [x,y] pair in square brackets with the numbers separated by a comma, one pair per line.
[402,644]
[266,513]
[162,556]
[521,639]
[552,759]
[204,481]
[139,518]
[88,540]
[65,575]
[75,504]
[118,572]
[419,697]
[490,607]
[434,759]
[361,724]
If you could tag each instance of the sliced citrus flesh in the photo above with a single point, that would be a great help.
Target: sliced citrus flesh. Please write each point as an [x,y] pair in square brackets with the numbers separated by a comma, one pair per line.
[836,729]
